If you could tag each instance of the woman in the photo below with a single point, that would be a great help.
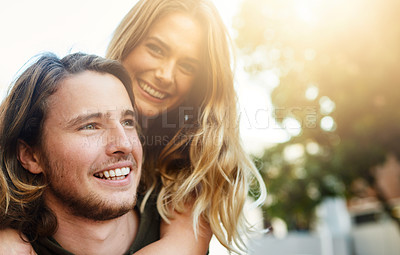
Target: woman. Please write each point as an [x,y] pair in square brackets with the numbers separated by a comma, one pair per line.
[177,54]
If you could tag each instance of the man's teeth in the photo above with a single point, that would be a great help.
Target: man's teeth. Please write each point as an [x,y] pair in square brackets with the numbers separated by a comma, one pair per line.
[116,174]
[151,91]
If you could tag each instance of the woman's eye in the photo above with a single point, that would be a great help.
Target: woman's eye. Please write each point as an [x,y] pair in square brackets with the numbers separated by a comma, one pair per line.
[188,68]
[155,49]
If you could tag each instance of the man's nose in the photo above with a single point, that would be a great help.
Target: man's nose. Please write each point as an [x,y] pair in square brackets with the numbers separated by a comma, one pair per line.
[118,141]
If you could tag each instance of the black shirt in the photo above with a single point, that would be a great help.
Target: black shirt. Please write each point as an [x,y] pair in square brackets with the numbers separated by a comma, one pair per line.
[148,232]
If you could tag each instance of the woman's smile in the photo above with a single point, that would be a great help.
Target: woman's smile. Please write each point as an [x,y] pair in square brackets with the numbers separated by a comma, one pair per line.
[164,65]
[151,91]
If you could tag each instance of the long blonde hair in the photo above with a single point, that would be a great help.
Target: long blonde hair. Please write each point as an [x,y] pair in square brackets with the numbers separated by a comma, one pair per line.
[218,172]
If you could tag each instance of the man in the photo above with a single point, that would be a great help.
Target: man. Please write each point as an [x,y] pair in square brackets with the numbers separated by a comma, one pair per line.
[71,158]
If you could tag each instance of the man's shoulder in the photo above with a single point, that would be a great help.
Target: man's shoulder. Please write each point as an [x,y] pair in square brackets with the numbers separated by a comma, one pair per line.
[48,246]
[149,225]
[148,232]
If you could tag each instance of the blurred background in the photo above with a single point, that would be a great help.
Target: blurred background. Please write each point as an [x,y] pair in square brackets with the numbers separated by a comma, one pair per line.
[317,82]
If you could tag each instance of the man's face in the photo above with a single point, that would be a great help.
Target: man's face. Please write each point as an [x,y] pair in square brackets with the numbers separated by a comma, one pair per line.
[89,136]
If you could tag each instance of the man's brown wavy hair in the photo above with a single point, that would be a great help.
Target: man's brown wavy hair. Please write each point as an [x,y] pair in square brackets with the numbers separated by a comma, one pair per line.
[22,115]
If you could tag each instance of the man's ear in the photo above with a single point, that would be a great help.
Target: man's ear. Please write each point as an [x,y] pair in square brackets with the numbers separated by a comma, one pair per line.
[28,158]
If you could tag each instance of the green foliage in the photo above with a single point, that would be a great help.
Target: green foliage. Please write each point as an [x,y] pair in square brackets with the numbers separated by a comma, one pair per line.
[339,71]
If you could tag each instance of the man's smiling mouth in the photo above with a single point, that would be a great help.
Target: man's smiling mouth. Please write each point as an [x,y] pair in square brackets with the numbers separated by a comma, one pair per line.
[115,174]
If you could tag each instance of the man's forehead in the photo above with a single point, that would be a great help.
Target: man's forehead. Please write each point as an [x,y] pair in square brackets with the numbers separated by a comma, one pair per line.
[88,93]
[109,111]
[92,88]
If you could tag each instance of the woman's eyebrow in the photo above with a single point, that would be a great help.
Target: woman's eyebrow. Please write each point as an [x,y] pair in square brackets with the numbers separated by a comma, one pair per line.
[168,48]
[163,44]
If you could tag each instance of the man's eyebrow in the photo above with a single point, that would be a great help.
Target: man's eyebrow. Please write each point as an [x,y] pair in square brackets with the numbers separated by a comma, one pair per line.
[96,115]
[128,112]
[83,118]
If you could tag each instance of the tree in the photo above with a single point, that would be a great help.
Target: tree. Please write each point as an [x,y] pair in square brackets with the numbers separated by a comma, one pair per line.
[339,69]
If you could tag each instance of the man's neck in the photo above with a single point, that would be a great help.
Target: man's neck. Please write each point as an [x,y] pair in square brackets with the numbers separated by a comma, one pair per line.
[83,236]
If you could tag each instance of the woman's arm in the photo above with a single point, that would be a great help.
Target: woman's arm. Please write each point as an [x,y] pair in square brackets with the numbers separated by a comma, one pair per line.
[178,237]
[12,244]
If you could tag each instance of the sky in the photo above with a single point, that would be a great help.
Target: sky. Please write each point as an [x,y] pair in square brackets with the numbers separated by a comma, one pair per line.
[28,28]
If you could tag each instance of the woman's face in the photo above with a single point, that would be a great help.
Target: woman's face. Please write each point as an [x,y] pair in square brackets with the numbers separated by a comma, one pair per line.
[165,64]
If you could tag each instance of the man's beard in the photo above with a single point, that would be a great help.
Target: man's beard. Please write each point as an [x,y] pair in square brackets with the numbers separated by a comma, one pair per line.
[92,206]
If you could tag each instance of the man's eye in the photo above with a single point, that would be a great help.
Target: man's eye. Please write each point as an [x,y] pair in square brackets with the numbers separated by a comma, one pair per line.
[90,126]
[128,123]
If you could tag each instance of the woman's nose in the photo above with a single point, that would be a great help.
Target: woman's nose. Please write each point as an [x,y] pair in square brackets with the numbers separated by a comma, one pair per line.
[165,72]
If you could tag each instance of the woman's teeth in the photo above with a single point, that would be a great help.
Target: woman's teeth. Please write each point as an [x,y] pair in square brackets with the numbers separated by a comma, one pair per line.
[151,91]
[116,174]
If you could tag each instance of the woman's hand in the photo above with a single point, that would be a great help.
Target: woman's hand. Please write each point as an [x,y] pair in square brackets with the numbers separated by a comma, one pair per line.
[12,244]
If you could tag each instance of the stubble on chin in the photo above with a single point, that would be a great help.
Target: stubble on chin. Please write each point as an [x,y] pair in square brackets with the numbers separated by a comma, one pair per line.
[90,206]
